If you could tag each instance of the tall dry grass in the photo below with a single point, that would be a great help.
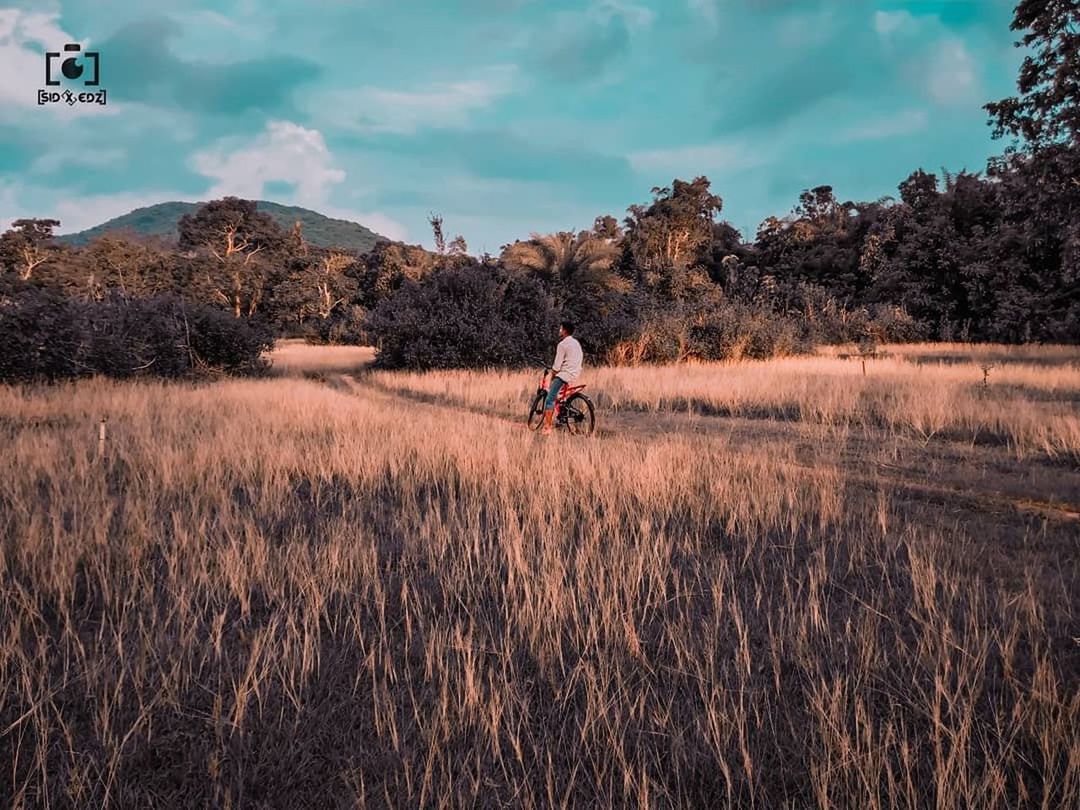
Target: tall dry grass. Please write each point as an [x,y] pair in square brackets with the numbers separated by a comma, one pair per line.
[296,357]
[1031,408]
[279,594]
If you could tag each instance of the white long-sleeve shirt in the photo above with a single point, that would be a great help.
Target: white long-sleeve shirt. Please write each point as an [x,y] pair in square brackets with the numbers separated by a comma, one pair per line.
[568,359]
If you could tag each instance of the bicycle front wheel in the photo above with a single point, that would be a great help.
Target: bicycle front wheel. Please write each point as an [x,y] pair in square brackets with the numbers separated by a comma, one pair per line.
[536,412]
[580,419]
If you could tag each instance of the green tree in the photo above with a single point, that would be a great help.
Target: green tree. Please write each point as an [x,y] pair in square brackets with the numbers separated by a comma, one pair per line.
[579,263]
[319,285]
[1040,171]
[239,252]
[1046,113]
[673,232]
[27,246]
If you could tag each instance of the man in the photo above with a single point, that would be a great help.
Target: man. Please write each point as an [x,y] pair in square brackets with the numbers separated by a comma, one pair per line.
[566,369]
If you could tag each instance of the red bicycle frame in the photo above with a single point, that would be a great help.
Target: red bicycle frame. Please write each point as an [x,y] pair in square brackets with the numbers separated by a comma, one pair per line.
[564,394]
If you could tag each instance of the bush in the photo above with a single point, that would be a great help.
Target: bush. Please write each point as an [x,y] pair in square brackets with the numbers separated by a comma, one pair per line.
[733,331]
[893,324]
[48,336]
[222,342]
[463,317]
[39,333]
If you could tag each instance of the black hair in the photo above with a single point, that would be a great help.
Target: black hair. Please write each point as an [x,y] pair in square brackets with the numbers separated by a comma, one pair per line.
[568,325]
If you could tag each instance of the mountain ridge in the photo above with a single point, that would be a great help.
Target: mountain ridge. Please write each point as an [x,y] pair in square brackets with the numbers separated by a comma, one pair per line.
[161,220]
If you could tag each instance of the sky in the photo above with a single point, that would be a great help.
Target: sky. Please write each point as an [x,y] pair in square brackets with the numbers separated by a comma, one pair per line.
[506,117]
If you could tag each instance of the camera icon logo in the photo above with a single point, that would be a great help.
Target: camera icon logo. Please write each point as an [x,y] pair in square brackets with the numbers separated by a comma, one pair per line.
[71,68]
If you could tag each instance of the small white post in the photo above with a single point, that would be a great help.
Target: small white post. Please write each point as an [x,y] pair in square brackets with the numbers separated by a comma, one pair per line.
[101,438]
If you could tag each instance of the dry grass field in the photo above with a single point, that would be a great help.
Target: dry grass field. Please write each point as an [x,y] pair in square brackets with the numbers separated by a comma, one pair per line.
[775,584]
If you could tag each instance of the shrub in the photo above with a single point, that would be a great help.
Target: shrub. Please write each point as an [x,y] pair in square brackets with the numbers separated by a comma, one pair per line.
[893,324]
[463,317]
[222,342]
[47,336]
[734,330]
[39,333]
[127,338]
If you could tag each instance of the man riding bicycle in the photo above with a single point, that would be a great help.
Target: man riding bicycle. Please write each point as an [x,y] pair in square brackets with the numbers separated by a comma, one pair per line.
[566,369]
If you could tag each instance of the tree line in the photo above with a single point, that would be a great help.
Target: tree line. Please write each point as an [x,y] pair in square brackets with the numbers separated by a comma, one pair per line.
[992,256]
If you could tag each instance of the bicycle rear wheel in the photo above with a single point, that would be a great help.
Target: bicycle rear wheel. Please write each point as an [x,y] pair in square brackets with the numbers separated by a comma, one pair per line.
[580,419]
[536,412]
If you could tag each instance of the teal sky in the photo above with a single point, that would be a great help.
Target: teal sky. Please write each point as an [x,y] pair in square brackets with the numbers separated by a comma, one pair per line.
[505,116]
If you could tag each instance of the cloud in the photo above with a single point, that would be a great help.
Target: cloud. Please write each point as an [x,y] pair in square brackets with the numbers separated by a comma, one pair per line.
[9,206]
[706,10]
[291,155]
[691,161]
[25,36]
[377,221]
[888,23]
[442,104]
[143,67]
[905,122]
[62,155]
[285,152]
[580,46]
[952,76]
[499,154]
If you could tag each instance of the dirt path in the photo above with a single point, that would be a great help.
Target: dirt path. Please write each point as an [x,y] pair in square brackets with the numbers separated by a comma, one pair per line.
[955,477]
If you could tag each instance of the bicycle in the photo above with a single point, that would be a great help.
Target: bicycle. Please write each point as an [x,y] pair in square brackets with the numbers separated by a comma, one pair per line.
[573,410]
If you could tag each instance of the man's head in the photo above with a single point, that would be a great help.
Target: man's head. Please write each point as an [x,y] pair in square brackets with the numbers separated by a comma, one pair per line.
[566,328]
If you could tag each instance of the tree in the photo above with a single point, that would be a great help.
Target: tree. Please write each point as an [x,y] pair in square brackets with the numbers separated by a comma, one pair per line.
[919,190]
[1040,171]
[819,243]
[231,234]
[25,247]
[457,246]
[607,228]
[674,230]
[388,266]
[819,208]
[577,263]
[128,266]
[319,285]
[1047,111]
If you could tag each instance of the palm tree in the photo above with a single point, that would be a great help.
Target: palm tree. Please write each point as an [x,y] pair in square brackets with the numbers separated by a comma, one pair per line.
[582,261]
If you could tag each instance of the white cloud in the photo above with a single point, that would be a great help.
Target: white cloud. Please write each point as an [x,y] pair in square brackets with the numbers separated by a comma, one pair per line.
[636,16]
[66,154]
[887,23]
[25,37]
[443,104]
[694,160]
[951,74]
[285,152]
[905,122]
[9,206]
[375,220]
[707,10]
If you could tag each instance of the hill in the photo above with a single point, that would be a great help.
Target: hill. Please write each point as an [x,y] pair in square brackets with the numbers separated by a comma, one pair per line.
[162,219]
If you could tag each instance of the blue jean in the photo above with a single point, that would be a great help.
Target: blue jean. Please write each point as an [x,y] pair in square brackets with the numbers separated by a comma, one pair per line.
[553,391]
